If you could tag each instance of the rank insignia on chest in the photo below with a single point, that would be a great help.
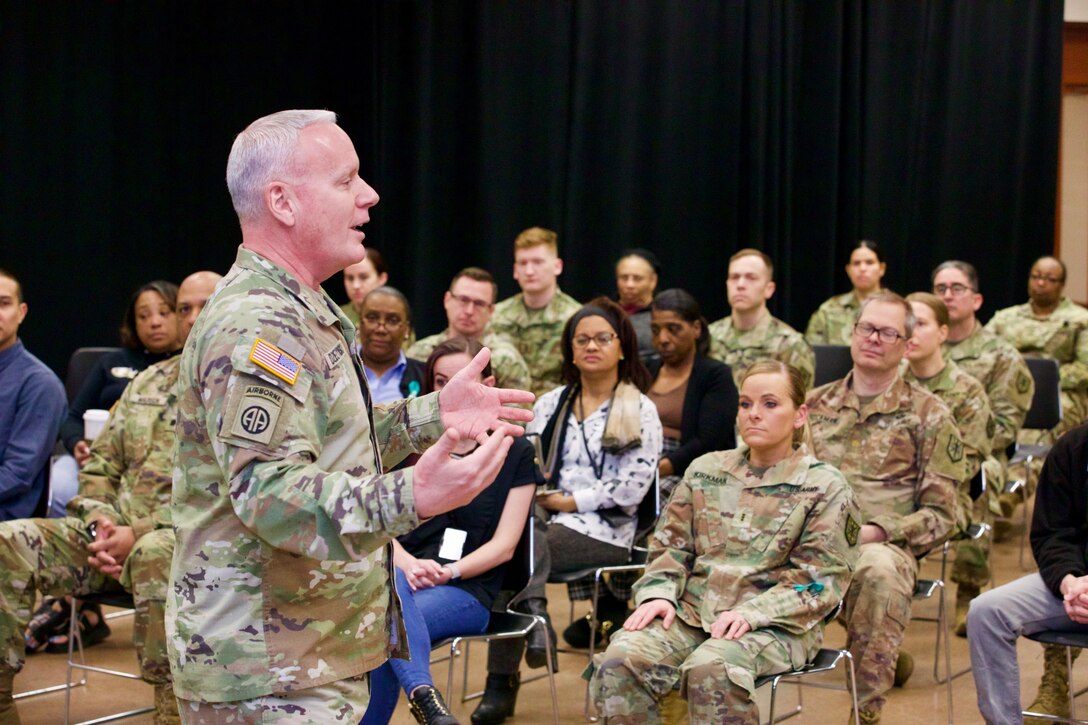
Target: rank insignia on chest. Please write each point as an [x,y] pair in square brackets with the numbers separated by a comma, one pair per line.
[275,361]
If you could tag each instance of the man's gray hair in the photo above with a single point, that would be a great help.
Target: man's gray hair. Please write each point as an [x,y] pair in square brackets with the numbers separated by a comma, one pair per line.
[261,152]
[891,298]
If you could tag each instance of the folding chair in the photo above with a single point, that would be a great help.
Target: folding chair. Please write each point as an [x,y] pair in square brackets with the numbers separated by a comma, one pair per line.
[1045,413]
[646,519]
[80,365]
[507,624]
[833,362]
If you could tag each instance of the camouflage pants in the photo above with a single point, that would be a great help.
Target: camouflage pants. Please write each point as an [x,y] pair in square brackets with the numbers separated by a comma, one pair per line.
[50,556]
[344,701]
[877,613]
[972,565]
[715,676]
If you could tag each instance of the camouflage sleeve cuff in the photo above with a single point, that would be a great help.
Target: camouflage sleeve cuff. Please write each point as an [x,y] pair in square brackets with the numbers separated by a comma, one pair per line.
[398,509]
[892,527]
[424,421]
[756,618]
[658,591]
[141,526]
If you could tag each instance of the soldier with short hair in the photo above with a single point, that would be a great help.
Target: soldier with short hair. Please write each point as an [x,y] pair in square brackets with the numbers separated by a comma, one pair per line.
[899,448]
[750,332]
[281,599]
[533,319]
[121,516]
[470,304]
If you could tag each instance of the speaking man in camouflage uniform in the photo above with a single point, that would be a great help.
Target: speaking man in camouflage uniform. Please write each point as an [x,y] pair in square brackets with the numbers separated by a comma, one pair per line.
[970,407]
[1051,325]
[899,448]
[121,516]
[751,332]
[469,303]
[533,319]
[281,599]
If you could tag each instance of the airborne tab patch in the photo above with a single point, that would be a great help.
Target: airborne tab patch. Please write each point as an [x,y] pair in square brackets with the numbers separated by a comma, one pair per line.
[275,361]
[257,415]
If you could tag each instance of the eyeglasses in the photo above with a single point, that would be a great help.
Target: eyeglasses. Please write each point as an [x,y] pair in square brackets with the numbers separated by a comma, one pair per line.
[602,339]
[466,301]
[886,334]
[957,289]
[1046,278]
[390,322]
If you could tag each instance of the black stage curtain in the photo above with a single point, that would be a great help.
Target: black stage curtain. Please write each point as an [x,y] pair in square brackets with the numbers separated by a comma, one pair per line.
[691,128]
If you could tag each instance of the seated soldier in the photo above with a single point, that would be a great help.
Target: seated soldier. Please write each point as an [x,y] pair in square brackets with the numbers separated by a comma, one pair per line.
[121,517]
[752,554]
[899,448]
[469,303]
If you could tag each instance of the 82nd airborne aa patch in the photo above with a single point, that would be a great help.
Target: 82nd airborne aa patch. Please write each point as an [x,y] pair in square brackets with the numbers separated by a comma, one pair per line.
[850,530]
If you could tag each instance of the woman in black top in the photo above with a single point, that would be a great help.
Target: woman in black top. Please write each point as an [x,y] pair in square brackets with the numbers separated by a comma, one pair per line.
[149,333]
[450,569]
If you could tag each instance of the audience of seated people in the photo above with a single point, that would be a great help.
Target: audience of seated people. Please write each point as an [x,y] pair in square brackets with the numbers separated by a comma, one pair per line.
[601,439]
[752,554]
[117,536]
[449,588]
[637,273]
[832,322]
[610,424]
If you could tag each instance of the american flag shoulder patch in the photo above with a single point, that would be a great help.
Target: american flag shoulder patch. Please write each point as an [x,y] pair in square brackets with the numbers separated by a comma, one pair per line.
[275,361]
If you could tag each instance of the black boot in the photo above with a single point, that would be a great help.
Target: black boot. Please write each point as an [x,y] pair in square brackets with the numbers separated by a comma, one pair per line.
[536,653]
[611,614]
[428,708]
[500,696]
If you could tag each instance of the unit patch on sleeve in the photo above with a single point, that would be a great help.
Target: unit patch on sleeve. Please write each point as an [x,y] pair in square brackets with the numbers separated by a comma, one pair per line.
[257,415]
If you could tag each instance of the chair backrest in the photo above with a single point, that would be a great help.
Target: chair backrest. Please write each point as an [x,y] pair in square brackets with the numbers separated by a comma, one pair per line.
[519,570]
[1046,404]
[833,362]
[649,508]
[79,367]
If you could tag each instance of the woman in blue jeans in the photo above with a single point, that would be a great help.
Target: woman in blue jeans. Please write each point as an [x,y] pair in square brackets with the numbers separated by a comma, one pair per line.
[449,570]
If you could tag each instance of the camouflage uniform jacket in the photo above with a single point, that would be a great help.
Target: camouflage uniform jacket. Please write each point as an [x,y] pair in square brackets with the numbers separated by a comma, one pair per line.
[902,453]
[127,478]
[970,408]
[281,572]
[1062,336]
[1002,371]
[778,549]
[833,322]
[537,335]
[508,364]
[769,339]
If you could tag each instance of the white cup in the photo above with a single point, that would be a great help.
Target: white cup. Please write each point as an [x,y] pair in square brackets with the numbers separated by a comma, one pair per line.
[93,422]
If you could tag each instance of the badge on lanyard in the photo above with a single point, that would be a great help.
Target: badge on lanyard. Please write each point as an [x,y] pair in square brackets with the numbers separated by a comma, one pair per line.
[453,543]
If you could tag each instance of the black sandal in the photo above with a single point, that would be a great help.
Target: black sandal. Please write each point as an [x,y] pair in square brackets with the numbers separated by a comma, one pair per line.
[89,634]
[50,619]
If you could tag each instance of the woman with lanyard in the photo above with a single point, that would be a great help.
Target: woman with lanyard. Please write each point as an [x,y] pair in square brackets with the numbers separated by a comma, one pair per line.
[602,438]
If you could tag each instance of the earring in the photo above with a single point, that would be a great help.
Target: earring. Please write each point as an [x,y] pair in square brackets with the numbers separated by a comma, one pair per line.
[621,356]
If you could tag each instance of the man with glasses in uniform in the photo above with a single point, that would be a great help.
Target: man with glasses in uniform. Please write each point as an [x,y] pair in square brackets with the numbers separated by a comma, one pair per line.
[900,449]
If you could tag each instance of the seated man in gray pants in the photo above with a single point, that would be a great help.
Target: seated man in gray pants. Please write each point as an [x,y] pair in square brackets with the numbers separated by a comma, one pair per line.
[1054,598]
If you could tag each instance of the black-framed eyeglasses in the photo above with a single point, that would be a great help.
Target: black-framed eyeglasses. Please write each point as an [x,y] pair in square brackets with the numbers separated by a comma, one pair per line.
[1046,278]
[391,322]
[885,334]
[602,339]
[957,289]
[466,301]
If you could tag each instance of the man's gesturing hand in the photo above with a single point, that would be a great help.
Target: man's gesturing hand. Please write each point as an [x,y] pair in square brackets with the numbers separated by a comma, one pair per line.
[442,483]
[474,409]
